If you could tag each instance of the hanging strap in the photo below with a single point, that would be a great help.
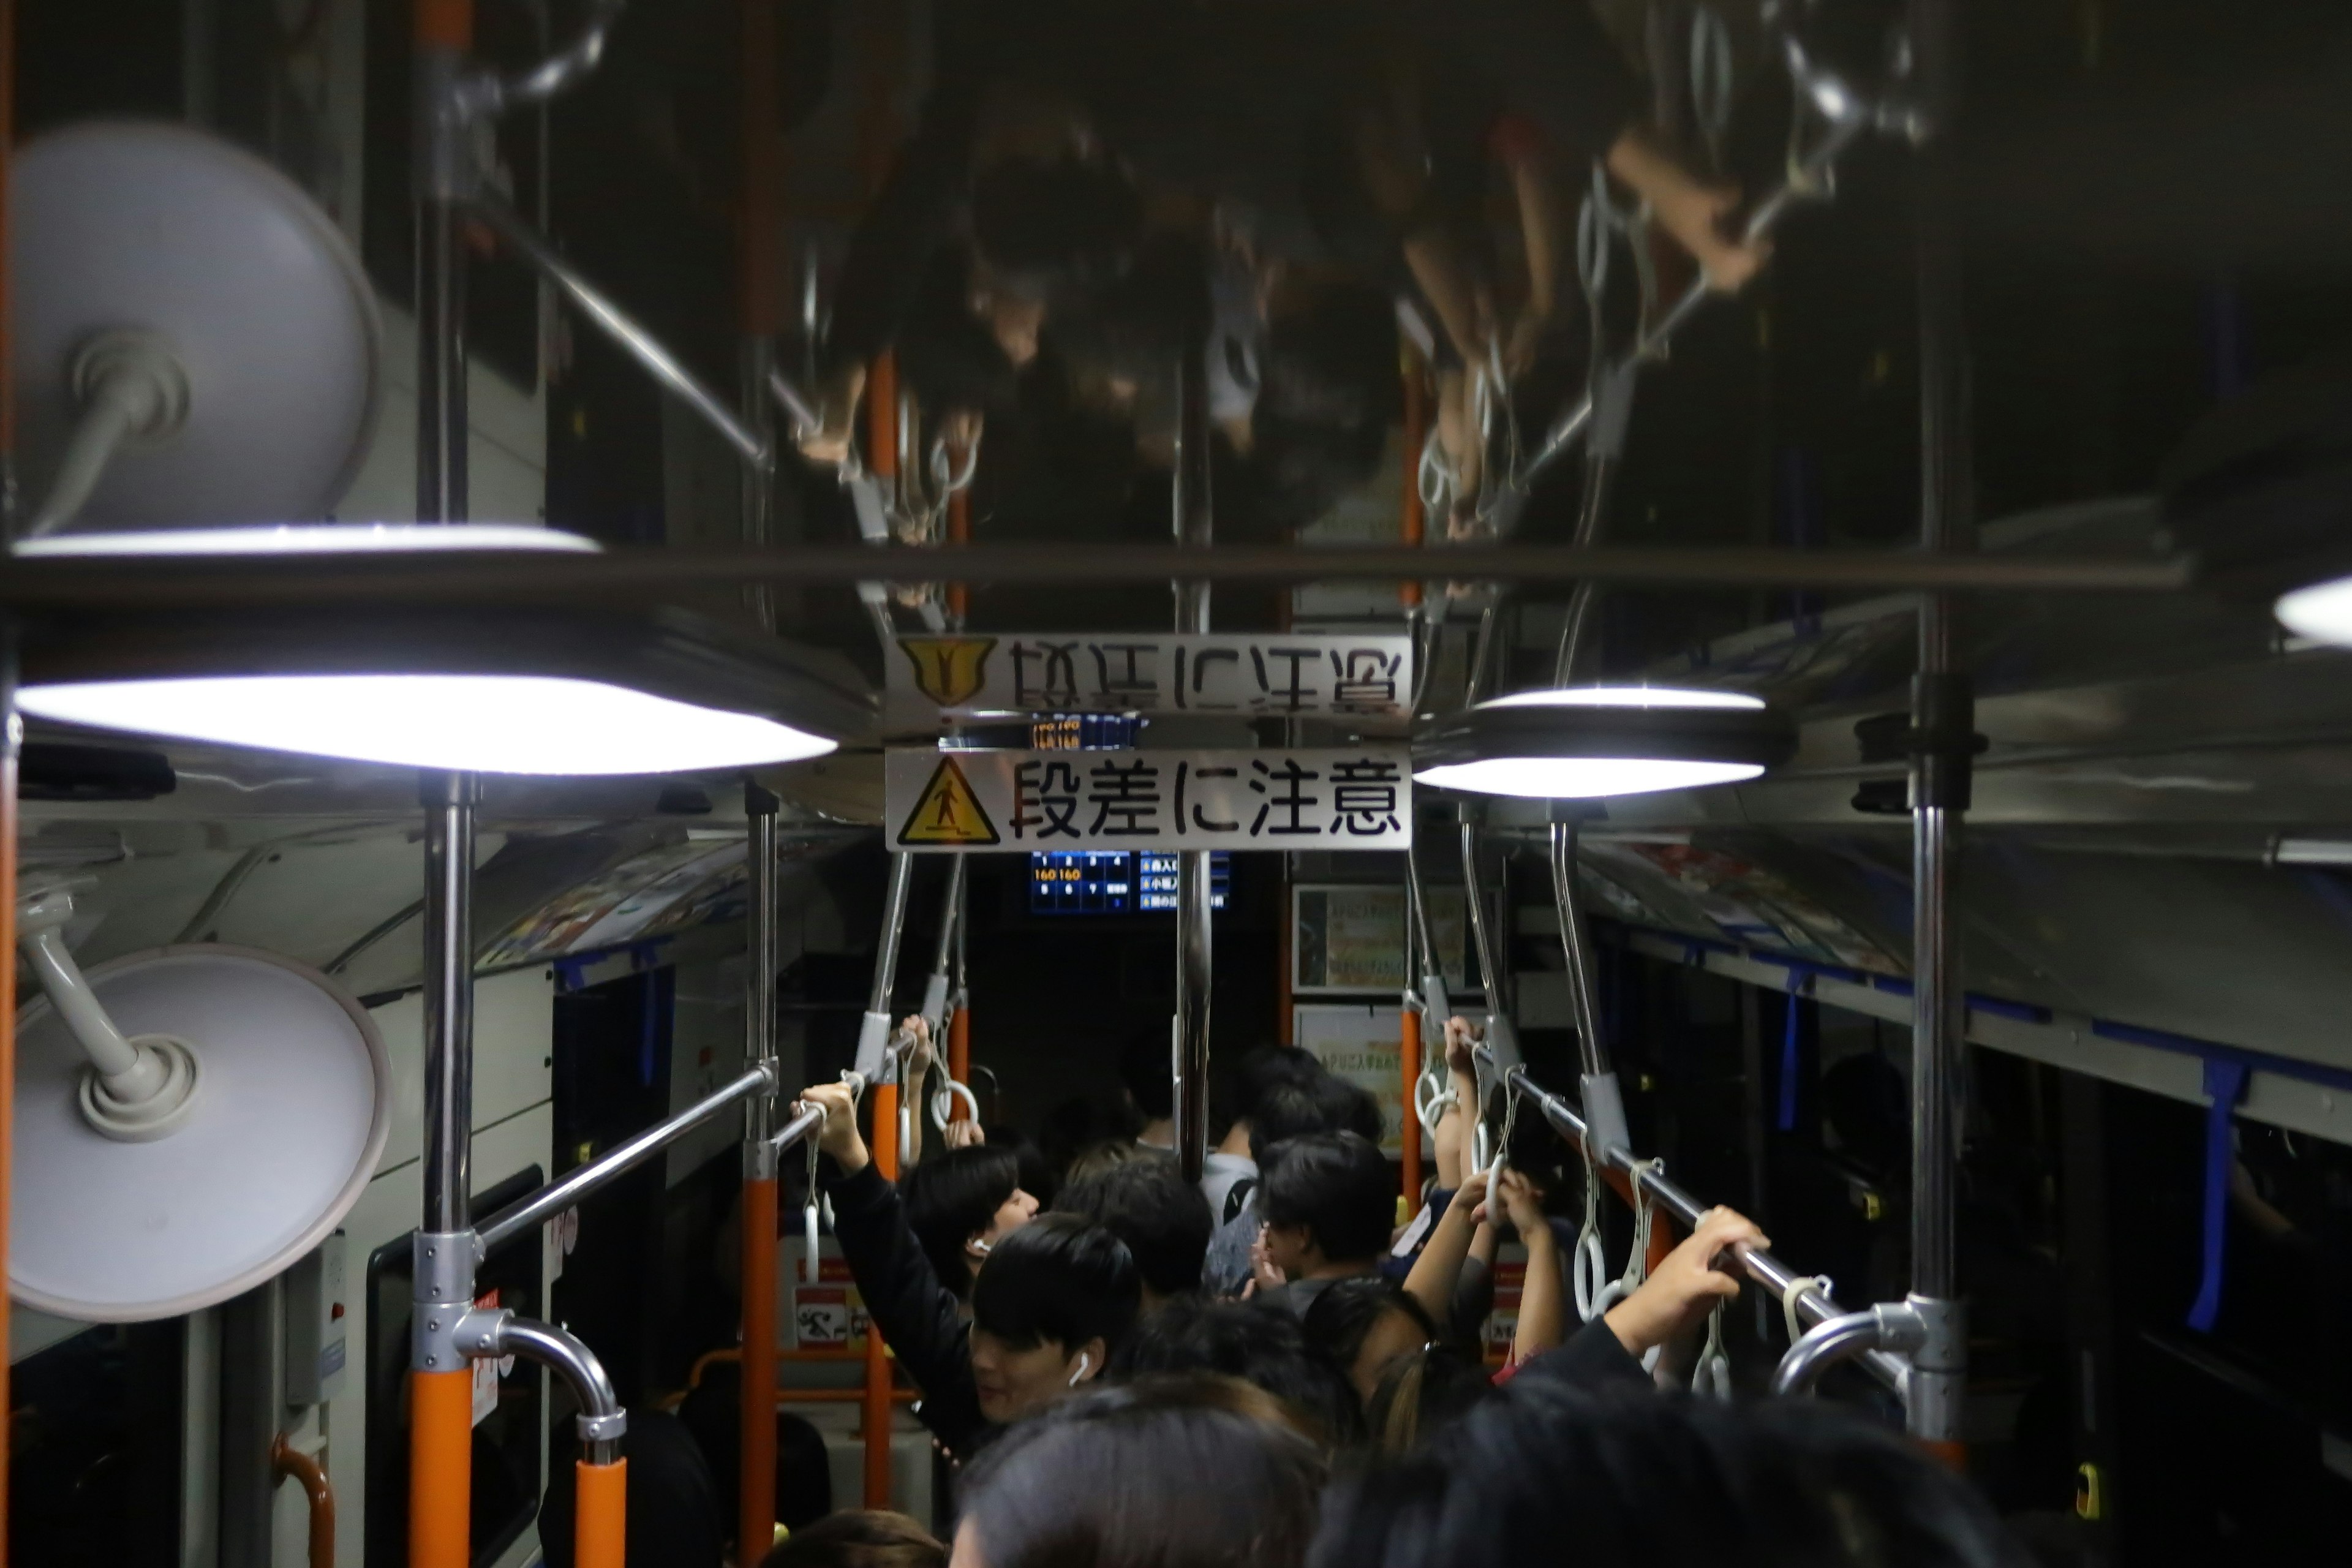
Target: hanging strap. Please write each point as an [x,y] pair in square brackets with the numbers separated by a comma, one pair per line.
[1819,1283]
[1591,1260]
[1712,1375]
[2225,1085]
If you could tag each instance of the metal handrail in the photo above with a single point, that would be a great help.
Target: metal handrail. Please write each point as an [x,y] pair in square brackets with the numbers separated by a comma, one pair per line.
[529,1213]
[602,1422]
[802,1124]
[1811,1304]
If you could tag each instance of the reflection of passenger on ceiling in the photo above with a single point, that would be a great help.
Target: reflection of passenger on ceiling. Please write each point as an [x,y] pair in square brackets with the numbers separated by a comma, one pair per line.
[1112,181]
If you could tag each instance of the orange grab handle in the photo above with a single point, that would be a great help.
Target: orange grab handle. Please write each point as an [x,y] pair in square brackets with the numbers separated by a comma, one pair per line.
[602,1525]
[440,1468]
[291,1463]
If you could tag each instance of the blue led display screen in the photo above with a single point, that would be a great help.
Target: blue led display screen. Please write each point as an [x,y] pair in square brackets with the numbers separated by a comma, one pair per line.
[1114,882]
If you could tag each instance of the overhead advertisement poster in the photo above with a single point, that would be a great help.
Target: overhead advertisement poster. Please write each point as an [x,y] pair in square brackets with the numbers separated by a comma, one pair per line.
[1306,674]
[1356,797]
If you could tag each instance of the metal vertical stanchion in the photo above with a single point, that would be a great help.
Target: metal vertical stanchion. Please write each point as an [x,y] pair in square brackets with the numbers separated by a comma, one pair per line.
[1603,1103]
[1194,527]
[879,1065]
[1942,745]
[756,1512]
[441,1422]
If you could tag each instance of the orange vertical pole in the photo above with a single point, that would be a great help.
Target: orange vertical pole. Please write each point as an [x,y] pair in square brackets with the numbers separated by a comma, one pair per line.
[755,1520]
[601,1522]
[884,1098]
[1409,1070]
[440,1468]
[758,276]
[441,1404]
[960,1058]
[959,593]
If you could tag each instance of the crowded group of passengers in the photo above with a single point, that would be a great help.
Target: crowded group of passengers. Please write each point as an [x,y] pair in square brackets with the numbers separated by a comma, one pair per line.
[1265,1368]
[1292,191]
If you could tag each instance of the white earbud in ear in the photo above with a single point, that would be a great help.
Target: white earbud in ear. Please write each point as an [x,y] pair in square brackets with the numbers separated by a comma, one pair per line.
[1085,1360]
[977,1244]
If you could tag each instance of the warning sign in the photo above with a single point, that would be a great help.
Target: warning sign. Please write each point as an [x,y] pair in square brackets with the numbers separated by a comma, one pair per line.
[949,670]
[947,814]
[1311,798]
[1353,675]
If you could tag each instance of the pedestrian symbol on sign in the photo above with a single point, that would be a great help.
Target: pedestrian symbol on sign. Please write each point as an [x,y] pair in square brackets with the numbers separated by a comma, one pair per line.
[947,812]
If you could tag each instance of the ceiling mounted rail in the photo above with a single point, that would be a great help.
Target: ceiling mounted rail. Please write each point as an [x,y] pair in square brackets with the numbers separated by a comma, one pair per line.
[635,575]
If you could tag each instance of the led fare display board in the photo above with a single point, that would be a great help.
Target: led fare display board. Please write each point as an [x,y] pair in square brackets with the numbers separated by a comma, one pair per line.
[1113,882]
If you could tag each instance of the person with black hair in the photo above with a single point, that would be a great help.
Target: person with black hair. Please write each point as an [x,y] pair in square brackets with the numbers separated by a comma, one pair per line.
[1147,1203]
[1054,1297]
[859,1538]
[1361,1325]
[1286,1110]
[960,1204]
[1259,1074]
[1165,1472]
[1671,1482]
[1328,1200]
[1146,1077]
[1262,1345]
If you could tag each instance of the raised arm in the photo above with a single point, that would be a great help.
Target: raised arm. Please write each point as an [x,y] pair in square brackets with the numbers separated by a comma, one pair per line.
[1439,1268]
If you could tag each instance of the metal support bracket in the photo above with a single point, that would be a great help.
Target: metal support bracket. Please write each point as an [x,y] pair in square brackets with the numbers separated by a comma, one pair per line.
[442,1297]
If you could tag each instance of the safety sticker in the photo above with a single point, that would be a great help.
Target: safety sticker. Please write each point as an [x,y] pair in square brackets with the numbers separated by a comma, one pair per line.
[1312,798]
[1357,674]
[946,815]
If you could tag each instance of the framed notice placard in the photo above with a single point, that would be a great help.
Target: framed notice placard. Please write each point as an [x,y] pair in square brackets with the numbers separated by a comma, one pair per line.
[1350,937]
[1363,1044]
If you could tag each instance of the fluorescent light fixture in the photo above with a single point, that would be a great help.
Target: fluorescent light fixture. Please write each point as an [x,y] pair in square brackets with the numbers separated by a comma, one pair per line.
[592,690]
[477,723]
[310,539]
[1590,743]
[2322,612]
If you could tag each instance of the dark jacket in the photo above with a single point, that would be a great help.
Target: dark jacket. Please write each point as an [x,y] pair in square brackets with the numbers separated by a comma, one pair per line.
[1593,1359]
[919,1319]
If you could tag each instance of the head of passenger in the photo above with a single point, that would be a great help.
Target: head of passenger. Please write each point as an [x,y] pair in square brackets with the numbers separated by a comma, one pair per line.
[1422,1392]
[1146,1075]
[1347,1106]
[1052,1304]
[1258,1075]
[1663,1483]
[1259,1344]
[1048,235]
[1161,1473]
[960,1204]
[1163,1219]
[859,1538]
[1328,1201]
[1362,1325]
[1288,1111]
[1328,392]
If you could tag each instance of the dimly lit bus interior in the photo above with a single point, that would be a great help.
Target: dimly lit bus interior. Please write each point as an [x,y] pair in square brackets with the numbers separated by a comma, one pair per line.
[1273,782]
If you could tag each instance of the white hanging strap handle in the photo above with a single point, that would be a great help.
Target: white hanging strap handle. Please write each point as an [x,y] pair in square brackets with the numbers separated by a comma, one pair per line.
[1637,1262]
[1819,1283]
[943,1101]
[1433,1097]
[1712,1375]
[809,1215]
[1591,1258]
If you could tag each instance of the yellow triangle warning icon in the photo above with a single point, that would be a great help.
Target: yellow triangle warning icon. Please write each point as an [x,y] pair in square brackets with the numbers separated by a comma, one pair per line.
[947,812]
[949,670]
